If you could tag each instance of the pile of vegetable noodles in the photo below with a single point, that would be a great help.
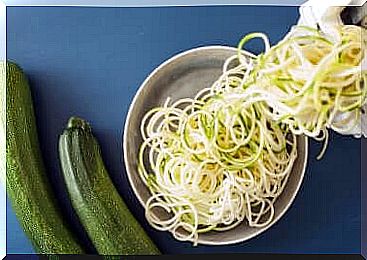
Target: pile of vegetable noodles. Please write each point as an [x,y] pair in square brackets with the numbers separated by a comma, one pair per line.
[310,82]
[223,157]
[214,164]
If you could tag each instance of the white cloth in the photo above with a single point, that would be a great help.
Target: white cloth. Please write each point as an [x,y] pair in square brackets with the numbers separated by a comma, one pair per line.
[326,15]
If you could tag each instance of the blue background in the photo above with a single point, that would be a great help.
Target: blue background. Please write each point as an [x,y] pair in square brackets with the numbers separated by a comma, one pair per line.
[90,62]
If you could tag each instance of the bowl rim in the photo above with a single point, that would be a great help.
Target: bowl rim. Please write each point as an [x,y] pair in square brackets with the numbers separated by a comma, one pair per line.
[129,170]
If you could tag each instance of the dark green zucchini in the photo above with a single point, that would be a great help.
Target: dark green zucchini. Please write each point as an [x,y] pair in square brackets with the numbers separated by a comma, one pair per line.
[110,225]
[27,184]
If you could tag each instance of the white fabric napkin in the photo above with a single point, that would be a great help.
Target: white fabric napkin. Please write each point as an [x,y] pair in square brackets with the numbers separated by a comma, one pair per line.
[325,14]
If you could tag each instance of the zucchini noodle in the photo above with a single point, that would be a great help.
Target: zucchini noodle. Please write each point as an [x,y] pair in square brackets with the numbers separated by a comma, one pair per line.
[222,158]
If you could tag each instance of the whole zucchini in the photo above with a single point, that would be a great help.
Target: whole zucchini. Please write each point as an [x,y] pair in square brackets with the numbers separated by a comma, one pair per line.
[26,182]
[110,225]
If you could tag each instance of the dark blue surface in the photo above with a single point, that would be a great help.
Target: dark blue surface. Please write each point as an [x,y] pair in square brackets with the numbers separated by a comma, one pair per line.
[90,62]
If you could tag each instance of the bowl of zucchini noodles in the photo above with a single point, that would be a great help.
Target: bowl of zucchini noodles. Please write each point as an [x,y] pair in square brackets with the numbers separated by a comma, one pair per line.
[207,161]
